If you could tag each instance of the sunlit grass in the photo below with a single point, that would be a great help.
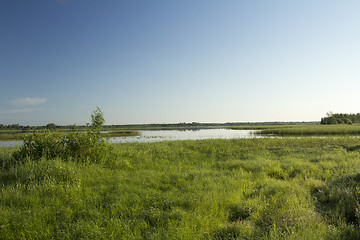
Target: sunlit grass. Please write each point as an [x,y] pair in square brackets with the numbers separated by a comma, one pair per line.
[306,130]
[22,135]
[121,133]
[291,188]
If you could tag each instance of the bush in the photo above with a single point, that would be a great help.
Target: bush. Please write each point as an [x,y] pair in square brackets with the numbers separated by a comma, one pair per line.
[86,146]
[38,145]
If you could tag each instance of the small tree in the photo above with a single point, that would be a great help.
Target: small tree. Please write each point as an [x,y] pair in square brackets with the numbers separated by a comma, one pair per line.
[97,119]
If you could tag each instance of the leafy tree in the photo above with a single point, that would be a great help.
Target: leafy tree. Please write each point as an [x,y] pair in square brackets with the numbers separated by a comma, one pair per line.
[348,121]
[97,119]
[340,118]
[339,121]
[51,126]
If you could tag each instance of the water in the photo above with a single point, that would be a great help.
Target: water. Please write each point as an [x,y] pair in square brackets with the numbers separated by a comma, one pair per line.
[10,143]
[170,135]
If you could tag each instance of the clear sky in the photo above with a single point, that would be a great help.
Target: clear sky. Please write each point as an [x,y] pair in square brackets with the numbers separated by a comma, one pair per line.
[161,61]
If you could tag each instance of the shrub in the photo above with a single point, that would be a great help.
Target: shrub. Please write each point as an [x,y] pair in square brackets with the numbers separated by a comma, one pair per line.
[86,146]
[38,145]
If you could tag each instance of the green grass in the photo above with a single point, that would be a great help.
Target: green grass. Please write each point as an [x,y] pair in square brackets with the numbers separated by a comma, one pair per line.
[122,133]
[306,130]
[12,136]
[8,135]
[290,188]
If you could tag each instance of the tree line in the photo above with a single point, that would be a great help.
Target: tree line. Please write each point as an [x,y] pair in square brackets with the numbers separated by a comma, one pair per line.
[340,118]
[49,126]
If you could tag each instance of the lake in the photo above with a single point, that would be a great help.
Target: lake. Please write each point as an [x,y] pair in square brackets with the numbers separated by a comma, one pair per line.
[171,135]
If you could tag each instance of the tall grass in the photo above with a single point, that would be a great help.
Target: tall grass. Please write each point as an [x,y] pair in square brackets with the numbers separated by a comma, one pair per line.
[308,130]
[293,188]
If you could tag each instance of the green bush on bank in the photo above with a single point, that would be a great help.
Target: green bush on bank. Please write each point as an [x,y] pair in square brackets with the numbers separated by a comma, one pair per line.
[87,146]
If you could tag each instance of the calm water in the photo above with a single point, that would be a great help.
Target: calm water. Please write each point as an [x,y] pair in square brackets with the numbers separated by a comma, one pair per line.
[162,135]
[10,143]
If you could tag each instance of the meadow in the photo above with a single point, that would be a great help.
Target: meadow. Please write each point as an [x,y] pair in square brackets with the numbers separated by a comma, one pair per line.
[305,130]
[260,188]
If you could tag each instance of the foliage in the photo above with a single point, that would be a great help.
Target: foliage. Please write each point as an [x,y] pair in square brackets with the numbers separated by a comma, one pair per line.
[97,120]
[87,146]
[51,126]
[340,118]
[261,188]
[310,130]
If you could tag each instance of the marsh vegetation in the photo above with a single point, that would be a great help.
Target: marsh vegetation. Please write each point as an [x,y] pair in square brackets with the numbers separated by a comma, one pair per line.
[82,187]
[311,130]
[294,188]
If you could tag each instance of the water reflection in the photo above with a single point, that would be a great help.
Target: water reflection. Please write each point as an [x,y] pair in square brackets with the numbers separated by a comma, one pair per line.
[196,134]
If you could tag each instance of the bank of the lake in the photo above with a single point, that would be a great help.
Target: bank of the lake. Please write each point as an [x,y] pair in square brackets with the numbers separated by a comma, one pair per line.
[13,138]
[16,138]
[19,135]
[254,188]
[164,135]
[306,130]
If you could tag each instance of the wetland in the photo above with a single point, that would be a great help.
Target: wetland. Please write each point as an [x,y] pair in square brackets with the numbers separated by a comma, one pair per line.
[190,184]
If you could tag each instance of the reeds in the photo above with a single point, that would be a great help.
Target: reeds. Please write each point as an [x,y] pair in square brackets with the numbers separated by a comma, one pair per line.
[312,130]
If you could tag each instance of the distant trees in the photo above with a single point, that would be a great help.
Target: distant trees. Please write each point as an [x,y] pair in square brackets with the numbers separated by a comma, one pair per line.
[13,127]
[51,126]
[340,118]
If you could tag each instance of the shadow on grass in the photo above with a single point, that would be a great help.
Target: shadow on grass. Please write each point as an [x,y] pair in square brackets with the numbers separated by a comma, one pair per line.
[338,202]
[353,148]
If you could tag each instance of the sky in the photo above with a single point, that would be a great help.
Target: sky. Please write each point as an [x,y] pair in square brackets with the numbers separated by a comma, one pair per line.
[160,61]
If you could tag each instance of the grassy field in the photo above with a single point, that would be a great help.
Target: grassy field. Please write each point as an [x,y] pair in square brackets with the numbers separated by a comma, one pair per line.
[270,188]
[305,130]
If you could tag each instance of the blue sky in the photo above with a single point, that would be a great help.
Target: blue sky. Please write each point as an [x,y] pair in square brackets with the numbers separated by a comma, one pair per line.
[163,61]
